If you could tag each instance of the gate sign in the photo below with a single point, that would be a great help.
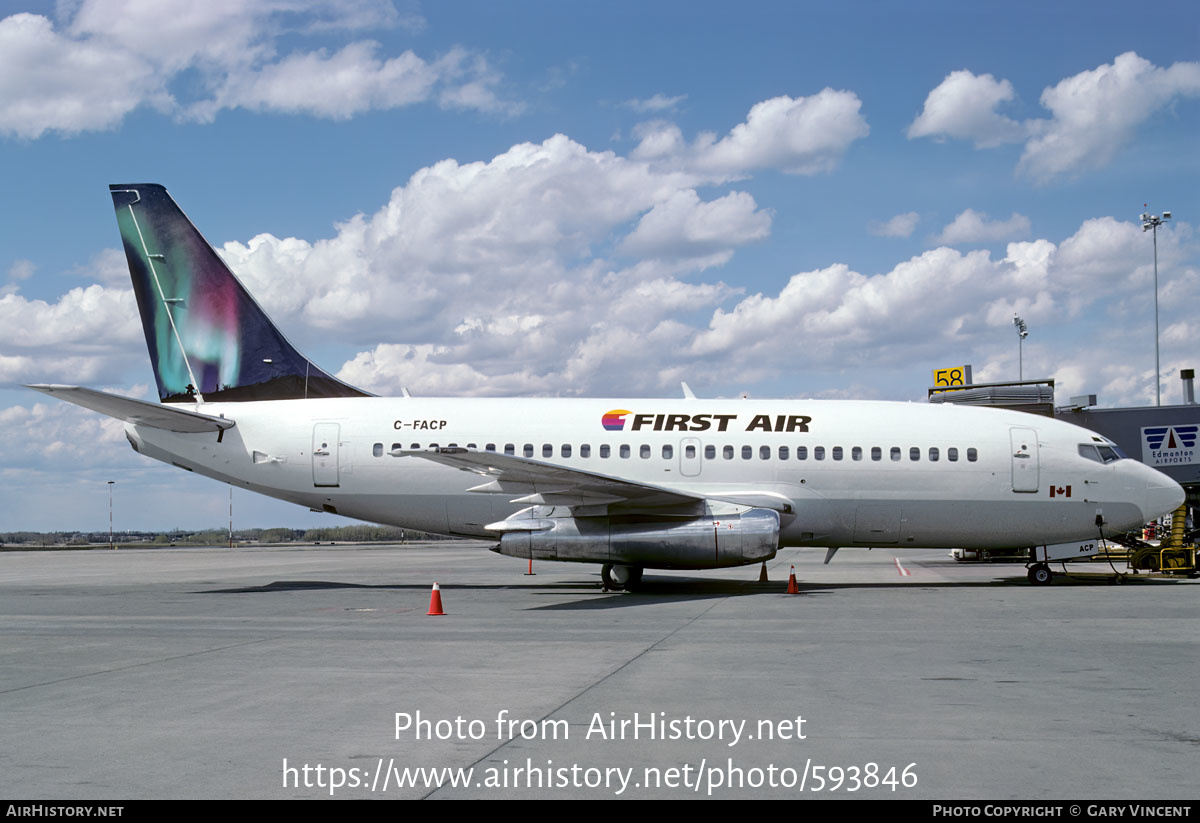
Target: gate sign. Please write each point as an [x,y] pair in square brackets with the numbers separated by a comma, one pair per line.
[955,377]
[1169,445]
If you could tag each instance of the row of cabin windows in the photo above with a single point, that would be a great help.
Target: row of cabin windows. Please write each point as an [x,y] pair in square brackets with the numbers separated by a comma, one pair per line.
[933,454]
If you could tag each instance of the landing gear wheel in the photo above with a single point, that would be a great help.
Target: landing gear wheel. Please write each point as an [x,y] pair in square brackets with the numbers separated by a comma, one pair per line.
[621,578]
[1040,574]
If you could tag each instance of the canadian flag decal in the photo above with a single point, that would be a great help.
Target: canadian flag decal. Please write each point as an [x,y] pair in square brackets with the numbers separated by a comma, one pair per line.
[1060,491]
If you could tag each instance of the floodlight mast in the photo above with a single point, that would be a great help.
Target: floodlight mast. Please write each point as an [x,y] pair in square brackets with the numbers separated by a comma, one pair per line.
[1022,333]
[1152,222]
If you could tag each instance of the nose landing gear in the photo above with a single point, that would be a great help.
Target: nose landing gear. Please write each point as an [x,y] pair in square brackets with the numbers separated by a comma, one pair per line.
[1040,574]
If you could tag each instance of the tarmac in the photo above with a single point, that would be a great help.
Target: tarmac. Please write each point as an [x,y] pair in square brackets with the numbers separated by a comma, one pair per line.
[316,672]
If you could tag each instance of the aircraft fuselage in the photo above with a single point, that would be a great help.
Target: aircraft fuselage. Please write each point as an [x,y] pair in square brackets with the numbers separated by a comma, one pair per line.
[840,473]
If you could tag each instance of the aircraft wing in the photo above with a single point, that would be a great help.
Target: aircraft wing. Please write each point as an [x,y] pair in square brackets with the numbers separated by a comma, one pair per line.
[538,483]
[136,411]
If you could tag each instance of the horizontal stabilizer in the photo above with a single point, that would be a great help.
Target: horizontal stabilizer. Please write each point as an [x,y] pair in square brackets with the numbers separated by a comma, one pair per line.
[140,412]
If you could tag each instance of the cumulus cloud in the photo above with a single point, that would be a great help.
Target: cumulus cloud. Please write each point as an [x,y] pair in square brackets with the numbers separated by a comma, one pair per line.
[963,106]
[338,86]
[21,270]
[556,269]
[1096,113]
[902,225]
[86,336]
[684,226]
[659,102]
[974,227]
[50,81]
[111,56]
[941,303]
[1093,114]
[803,135]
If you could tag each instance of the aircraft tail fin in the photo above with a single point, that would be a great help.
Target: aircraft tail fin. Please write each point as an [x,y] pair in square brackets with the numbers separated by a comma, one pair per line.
[208,339]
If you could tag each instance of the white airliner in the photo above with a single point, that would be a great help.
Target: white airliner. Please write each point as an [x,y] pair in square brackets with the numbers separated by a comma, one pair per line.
[627,483]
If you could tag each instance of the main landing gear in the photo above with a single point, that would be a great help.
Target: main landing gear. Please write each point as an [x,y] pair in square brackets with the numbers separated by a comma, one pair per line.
[621,578]
[1040,574]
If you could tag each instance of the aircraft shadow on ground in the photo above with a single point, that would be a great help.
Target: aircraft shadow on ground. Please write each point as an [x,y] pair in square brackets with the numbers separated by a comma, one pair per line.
[652,589]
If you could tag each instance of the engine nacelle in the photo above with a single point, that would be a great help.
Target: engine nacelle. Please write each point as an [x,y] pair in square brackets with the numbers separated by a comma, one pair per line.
[707,542]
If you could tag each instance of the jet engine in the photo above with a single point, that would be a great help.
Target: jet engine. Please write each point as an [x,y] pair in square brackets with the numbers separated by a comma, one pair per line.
[654,541]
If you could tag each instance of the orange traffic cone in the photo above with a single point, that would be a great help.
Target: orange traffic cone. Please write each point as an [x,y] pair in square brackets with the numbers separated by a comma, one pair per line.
[435,601]
[792,588]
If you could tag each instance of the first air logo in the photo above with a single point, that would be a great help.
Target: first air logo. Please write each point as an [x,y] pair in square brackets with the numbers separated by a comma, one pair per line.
[614,421]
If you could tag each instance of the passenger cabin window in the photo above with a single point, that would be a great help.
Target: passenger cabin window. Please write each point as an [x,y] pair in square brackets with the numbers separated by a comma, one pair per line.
[952,454]
[625,450]
[510,449]
[490,447]
[377,450]
[933,454]
[914,453]
[895,453]
[644,451]
[547,450]
[876,453]
[764,452]
[837,452]
[802,452]
[747,452]
[818,453]
[856,453]
[972,455]
[727,452]
[784,453]
[585,450]
[668,452]
[528,450]
[605,450]
[710,452]
[689,452]
[565,450]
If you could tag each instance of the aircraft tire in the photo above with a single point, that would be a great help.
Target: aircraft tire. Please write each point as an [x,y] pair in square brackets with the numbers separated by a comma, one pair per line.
[613,582]
[1040,574]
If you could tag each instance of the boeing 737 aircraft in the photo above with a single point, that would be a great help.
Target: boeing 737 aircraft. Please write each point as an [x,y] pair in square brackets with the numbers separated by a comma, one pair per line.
[627,483]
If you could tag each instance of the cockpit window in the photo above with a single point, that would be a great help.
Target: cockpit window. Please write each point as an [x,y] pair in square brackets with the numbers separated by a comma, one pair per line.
[1110,454]
[1101,454]
[1089,451]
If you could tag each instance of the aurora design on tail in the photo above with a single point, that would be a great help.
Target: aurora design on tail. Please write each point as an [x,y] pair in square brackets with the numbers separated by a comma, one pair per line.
[208,339]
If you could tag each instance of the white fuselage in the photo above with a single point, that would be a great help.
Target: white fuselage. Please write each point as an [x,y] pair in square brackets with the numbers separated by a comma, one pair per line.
[854,472]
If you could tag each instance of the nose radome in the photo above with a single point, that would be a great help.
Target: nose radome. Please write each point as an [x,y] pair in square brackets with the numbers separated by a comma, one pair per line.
[1163,495]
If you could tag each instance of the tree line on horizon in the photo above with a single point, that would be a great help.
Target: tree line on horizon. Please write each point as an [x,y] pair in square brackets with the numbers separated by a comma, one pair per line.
[364,533]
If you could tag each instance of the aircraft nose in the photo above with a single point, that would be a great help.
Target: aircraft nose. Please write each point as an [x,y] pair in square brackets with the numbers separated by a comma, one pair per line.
[1163,495]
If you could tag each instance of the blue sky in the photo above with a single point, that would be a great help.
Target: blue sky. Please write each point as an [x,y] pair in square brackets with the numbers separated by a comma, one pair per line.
[785,200]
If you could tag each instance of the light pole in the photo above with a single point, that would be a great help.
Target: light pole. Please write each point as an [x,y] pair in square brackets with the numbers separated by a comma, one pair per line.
[110,525]
[1022,333]
[1153,221]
